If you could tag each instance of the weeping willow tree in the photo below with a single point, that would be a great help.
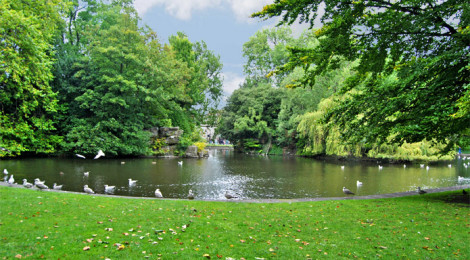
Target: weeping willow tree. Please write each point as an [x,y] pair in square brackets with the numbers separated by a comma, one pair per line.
[325,138]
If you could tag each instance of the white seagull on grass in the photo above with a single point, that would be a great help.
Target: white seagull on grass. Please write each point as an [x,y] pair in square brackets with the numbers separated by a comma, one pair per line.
[41,185]
[5,171]
[88,190]
[26,184]
[11,180]
[57,187]
[347,191]
[190,195]
[158,193]
[109,189]
[359,183]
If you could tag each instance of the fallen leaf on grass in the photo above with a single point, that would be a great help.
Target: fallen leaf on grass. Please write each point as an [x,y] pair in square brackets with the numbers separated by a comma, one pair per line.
[18,256]
[206,256]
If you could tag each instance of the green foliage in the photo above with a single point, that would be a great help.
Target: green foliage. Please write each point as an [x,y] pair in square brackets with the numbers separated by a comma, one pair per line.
[28,104]
[157,148]
[413,71]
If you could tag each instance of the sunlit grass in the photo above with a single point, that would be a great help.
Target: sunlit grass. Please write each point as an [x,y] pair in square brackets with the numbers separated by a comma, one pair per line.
[41,224]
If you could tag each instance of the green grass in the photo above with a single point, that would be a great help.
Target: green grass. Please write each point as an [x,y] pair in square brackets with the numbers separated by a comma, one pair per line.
[41,224]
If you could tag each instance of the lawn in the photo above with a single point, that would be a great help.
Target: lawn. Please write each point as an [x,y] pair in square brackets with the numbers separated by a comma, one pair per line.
[50,225]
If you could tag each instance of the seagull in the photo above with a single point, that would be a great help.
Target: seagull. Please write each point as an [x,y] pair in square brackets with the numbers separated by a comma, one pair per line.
[154,162]
[88,190]
[421,165]
[132,182]
[450,165]
[41,185]
[5,171]
[109,189]
[123,162]
[342,167]
[38,181]
[190,195]
[420,191]
[99,154]
[404,165]
[380,167]
[80,156]
[86,174]
[11,180]
[158,193]
[229,196]
[27,184]
[180,163]
[359,183]
[347,191]
[427,168]
[57,187]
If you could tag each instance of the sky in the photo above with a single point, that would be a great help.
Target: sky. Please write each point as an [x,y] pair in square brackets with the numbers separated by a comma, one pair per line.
[224,25]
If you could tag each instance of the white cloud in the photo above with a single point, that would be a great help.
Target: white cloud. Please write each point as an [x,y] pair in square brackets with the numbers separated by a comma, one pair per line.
[232,81]
[183,9]
[244,8]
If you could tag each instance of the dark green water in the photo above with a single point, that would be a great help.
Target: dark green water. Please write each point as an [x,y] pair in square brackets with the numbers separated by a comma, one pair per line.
[251,177]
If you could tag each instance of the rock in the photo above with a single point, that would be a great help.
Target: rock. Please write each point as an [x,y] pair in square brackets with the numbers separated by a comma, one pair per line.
[191,151]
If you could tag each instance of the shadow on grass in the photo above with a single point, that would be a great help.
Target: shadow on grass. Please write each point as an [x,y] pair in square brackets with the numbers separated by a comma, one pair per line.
[459,197]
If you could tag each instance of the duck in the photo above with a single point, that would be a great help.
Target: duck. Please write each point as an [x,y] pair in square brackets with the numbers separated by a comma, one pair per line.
[88,190]
[158,193]
[347,191]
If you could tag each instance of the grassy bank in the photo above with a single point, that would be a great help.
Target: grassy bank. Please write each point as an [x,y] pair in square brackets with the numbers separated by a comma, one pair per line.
[41,224]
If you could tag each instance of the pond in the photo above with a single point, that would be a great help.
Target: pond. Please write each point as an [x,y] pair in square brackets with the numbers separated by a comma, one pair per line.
[245,176]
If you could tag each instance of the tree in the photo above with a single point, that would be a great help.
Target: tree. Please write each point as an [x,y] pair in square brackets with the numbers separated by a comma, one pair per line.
[413,76]
[28,104]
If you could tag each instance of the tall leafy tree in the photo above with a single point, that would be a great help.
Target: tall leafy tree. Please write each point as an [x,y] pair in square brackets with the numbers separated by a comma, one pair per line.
[27,102]
[413,76]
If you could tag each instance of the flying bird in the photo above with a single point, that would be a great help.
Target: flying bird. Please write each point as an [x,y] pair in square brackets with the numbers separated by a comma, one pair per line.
[158,193]
[57,187]
[88,190]
[99,154]
[347,191]
[80,156]
[190,195]
[26,184]
[420,191]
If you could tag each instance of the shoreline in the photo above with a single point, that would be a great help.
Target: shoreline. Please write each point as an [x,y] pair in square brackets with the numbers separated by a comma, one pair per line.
[294,200]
